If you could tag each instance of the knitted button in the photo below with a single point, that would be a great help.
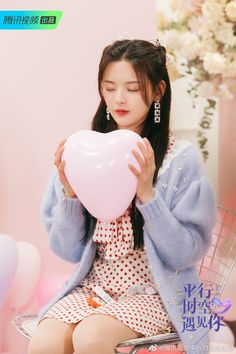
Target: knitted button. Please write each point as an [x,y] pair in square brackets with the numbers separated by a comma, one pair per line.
[179,168]
[179,293]
[63,195]
[175,189]
[185,179]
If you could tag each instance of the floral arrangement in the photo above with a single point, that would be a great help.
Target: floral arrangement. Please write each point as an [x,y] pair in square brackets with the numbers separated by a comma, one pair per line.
[201,36]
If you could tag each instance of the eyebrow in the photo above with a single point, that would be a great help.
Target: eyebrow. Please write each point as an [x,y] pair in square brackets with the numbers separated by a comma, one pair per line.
[127,82]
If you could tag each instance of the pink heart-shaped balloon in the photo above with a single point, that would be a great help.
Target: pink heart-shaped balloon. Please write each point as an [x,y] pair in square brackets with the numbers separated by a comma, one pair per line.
[97,170]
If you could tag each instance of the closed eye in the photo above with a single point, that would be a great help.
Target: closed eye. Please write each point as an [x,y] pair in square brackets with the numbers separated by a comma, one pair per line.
[128,90]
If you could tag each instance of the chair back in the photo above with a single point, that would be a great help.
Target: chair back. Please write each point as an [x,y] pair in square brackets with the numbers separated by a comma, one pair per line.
[215,267]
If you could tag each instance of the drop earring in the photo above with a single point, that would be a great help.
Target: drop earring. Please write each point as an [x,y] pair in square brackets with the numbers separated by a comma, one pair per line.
[108,113]
[157,112]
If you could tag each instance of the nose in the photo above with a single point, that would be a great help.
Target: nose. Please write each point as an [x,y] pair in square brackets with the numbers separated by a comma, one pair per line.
[120,96]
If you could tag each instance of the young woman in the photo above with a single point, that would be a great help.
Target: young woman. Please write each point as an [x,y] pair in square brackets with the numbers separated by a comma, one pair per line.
[144,259]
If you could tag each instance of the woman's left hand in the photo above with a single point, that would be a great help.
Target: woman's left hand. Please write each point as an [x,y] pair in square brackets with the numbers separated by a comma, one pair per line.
[145,190]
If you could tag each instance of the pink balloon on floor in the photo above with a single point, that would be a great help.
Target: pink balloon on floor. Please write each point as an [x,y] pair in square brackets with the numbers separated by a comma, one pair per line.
[8,264]
[27,275]
[97,169]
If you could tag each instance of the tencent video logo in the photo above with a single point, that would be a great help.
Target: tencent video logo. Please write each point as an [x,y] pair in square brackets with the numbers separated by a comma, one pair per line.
[29,20]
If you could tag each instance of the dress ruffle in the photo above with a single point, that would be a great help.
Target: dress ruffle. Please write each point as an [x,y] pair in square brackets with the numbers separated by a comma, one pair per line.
[116,236]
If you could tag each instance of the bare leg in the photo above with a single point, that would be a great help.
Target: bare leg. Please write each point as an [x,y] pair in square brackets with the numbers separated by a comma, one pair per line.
[100,334]
[52,337]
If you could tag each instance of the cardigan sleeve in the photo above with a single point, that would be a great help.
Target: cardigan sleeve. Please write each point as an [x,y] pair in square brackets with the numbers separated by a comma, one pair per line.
[181,230]
[64,221]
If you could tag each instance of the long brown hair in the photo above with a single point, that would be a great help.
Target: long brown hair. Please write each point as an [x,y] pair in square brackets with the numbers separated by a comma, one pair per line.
[149,63]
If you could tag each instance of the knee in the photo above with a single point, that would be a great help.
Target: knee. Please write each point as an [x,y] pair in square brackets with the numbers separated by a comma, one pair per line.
[91,343]
[41,346]
[52,337]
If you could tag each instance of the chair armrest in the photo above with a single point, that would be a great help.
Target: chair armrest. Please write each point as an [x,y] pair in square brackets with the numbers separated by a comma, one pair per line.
[25,324]
[160,339]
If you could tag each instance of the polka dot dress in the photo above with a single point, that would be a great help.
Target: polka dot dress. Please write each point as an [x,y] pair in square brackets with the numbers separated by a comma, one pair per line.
[124,274]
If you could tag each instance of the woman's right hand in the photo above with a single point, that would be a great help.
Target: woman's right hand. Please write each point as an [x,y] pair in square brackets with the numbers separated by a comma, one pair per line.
[60,167]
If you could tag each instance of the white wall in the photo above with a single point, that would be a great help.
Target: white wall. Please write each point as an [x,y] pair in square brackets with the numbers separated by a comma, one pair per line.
[48,91]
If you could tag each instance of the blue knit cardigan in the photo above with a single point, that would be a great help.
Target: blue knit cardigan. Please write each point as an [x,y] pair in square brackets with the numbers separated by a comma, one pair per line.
[178,225]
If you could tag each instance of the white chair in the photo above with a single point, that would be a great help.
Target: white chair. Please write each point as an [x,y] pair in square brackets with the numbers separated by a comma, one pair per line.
[214,270]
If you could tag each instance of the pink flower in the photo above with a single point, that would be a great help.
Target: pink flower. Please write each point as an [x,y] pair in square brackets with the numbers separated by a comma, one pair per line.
[194,5]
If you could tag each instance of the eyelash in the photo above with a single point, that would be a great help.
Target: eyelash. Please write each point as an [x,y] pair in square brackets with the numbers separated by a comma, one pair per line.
[109,90]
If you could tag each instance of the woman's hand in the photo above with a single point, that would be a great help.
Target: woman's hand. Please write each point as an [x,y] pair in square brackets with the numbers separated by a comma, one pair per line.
[60,166]
[145,190]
